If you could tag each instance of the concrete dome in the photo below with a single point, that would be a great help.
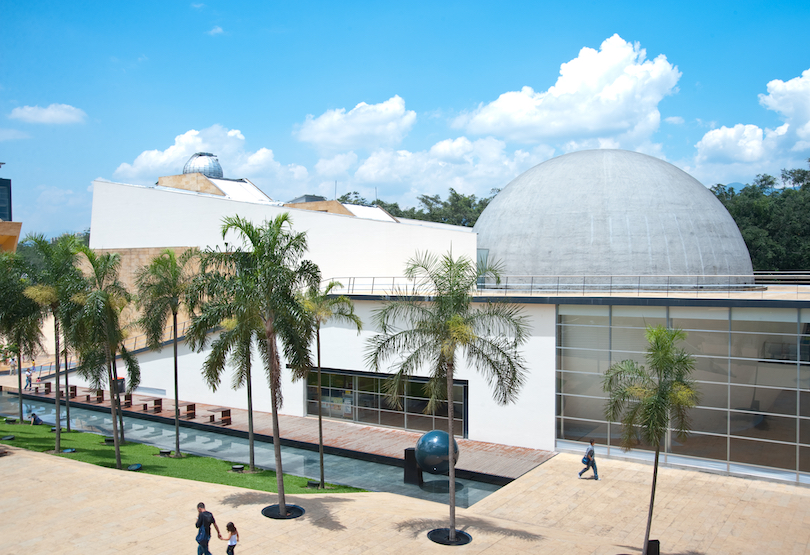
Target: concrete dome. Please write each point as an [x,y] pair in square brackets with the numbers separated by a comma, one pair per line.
[610,212]
[204,163]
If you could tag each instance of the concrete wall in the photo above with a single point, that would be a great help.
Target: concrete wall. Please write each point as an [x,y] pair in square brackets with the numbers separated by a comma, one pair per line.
[527,423]
[131,216]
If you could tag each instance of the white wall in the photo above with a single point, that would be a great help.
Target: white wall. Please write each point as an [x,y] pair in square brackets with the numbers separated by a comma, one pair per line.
[530,422]
[527,423]
[132,216]
[157,372]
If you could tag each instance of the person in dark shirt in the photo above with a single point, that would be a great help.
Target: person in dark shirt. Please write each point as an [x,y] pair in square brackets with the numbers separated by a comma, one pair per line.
[204,522]
[35,420]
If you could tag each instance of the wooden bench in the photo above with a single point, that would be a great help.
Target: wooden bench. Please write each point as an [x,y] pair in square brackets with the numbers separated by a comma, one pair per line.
[157,403]
[127,400]
[72,391]
[224,411]
[95,396]
[46,385]
[191,409]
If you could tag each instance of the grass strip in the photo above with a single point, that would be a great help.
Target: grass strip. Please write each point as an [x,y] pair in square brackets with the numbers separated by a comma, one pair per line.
[91,448]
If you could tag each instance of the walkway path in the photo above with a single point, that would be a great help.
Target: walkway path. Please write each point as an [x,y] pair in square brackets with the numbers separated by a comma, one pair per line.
[55,505]
[476,456]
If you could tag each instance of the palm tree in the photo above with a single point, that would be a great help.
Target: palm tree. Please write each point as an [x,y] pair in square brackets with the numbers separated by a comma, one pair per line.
[647,401]
[99,335]
[56,281]
[321,308]
[257,286]
[20,317]
[162,286]
[428,332]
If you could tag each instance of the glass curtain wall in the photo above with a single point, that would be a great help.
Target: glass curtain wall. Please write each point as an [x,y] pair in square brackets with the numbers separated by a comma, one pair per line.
[753,373]
[360,397]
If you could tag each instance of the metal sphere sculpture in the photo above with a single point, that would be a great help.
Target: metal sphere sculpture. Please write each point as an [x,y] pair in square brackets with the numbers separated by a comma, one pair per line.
[432,452]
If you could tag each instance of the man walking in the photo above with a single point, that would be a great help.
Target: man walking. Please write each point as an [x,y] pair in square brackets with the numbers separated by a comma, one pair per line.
[589,460]
[204,522]
[28,375]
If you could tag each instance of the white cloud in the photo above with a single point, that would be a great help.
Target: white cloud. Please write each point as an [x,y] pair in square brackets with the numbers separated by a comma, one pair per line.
[744,150]
[470,167]
[55,113]
[336,166]
[260,166]
[364,126]
[217,30]
[674,120]
[606,94]
[12,135]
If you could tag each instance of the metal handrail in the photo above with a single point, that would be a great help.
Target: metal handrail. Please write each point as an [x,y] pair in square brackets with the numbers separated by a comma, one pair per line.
[760,285]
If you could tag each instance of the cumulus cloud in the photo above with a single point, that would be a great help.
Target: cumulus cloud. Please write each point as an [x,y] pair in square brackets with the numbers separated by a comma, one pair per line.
[260,166]
[55,113]
[364,126]
[470,167]
[217,30]
[748,148]
[606,94]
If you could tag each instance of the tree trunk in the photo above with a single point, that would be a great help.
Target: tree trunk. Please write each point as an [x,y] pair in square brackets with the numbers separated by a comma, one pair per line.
[282,504]
[58,446]
[113,415]
[652,501]
[275,376]
[67,390]
[115,399]
[19,382]
[451,452]
[249,379]
[320,414]
[176,393]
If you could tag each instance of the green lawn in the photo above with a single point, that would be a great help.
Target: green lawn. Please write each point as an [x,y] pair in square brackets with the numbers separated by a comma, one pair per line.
[90,448]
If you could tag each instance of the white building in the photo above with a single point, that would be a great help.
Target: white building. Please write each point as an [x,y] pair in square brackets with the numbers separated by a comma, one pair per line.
[568,231]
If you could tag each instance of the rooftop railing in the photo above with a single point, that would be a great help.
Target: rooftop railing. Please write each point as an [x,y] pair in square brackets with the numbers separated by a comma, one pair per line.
[772,285]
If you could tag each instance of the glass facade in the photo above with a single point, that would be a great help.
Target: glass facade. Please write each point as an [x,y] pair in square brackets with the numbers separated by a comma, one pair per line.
[752,369]
[360,397]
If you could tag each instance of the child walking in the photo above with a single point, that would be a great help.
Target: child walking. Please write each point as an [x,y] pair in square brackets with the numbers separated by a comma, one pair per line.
[232,538]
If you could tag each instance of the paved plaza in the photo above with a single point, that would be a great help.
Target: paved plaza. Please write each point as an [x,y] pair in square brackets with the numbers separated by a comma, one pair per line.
[54,505]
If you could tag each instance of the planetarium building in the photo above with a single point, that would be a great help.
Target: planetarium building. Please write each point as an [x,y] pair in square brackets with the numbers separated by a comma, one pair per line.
[594,246]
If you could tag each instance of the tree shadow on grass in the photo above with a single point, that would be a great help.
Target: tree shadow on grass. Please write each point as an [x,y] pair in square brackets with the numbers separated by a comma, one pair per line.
[320,511]
[417,526]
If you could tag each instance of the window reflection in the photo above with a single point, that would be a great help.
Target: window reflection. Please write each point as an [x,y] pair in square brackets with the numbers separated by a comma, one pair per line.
[361,398]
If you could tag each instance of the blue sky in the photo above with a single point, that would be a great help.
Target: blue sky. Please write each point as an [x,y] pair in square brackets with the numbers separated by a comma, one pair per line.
[401,98]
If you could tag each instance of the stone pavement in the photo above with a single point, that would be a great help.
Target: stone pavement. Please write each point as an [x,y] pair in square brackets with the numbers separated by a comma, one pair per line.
[54,505]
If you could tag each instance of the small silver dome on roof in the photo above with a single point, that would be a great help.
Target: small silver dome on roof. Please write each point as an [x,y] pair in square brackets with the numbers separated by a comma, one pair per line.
[204,163]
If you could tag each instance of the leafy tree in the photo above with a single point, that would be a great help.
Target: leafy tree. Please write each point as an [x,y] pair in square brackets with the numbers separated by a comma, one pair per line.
[258,287]
[162,286]
[430,332]
[222,293]
[20,317]
[648,401]
[774,222]
[322,307]
[56,281]
[99,333]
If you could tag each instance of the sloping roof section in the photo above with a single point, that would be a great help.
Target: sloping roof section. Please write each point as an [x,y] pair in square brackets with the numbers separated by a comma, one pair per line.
[241,190]
[369,212]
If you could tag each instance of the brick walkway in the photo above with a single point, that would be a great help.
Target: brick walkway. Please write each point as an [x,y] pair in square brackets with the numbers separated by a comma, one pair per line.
[475,456]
